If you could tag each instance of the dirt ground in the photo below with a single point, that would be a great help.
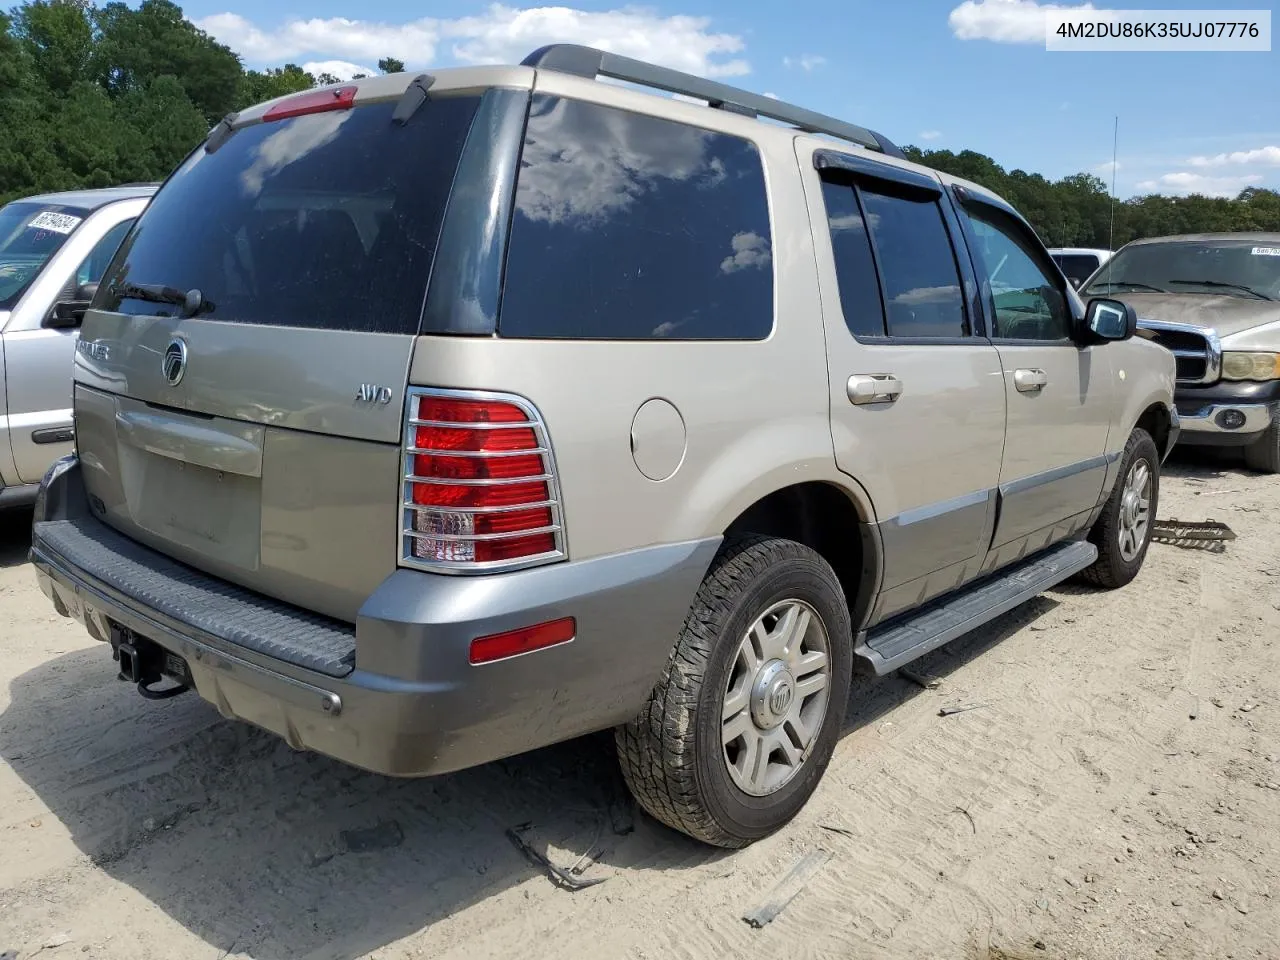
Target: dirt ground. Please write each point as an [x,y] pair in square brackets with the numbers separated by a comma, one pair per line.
[1116,795]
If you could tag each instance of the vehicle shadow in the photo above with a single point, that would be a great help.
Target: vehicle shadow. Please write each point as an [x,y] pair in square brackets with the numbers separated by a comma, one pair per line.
[253,847]
[15,537]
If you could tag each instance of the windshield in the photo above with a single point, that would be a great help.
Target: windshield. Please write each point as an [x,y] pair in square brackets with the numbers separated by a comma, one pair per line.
[1248,269]
[326,220]
[31,233]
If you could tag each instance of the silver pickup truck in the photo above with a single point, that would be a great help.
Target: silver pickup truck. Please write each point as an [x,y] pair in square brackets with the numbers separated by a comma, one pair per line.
[53,250]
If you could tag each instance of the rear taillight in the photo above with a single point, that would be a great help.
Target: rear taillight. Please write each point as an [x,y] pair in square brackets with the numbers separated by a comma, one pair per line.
[480,488]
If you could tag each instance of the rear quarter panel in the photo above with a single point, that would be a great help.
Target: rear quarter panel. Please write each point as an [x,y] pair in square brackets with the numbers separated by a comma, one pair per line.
[755,414]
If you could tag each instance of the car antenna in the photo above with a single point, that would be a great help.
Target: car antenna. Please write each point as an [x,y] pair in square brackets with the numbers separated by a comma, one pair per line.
[1111,237]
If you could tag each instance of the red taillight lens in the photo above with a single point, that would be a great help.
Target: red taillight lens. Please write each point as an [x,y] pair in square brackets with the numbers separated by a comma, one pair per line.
[479,441]
[499,646]
[313,101]
[461,495]
[458,410]
[477,468]
[473,464]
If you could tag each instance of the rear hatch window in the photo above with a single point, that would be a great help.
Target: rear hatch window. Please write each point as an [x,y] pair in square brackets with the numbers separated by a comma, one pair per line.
[326,221]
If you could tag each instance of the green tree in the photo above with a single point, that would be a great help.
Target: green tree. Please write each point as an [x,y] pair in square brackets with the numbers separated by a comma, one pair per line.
[257,86]
[391,65]
[57,37]
[155,40]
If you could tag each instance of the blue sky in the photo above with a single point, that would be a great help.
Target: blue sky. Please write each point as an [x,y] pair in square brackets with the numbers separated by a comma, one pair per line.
[938,73]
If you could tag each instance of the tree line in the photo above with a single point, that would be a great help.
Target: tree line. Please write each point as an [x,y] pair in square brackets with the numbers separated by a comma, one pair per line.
[92,96]
[1077,211]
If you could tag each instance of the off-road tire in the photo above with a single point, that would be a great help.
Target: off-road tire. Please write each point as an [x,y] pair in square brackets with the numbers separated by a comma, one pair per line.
[1263,454]
[671,755]
[1111,570]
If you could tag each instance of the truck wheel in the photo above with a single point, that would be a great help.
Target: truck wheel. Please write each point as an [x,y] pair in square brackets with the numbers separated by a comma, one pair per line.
[743,722]
[1122,533]
[1264,453]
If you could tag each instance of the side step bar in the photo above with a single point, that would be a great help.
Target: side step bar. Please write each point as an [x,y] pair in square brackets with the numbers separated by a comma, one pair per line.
[897,642]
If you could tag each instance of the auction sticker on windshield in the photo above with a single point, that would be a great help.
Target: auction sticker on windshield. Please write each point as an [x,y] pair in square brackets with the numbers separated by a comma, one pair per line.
[1266,251]
[57,222]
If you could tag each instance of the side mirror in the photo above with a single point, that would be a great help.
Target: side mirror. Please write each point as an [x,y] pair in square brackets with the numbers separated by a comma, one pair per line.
[1110,320]
[69,314]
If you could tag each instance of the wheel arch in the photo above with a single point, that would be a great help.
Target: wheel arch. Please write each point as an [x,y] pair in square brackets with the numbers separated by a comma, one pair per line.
[1157,420]
[831,519]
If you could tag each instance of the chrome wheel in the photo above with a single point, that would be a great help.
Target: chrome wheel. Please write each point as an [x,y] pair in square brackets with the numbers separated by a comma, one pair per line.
[1135,510]
[776,697]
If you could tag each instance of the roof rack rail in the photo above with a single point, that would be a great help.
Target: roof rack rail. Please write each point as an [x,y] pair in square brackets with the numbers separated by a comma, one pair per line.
[591,63]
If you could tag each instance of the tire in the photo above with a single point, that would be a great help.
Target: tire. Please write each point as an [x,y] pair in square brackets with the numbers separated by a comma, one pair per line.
[1263,454]
[672,755]
[1117,565]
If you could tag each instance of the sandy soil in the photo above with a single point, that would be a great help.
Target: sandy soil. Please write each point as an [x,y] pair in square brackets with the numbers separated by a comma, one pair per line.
[1117,796]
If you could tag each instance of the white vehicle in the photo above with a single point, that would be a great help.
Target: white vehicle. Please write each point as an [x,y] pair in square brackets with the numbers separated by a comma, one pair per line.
[1079,263]
[53,250]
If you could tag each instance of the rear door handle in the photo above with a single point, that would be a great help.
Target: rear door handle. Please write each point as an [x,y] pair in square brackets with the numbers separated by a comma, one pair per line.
[1029,379]
[873,388]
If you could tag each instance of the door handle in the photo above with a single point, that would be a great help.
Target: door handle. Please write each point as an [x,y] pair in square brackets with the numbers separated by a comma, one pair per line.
[1029,379]
[873,388]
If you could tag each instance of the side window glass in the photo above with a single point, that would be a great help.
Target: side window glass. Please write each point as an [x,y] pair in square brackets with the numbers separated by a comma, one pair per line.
[662,228]
[855,266]
[1029,304]
[922,292]
[93,266]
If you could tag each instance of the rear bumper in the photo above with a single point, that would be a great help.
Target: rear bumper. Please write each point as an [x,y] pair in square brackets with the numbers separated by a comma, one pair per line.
[410,704]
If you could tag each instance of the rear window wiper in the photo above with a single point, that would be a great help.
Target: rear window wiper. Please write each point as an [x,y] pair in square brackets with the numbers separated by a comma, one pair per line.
[1224,285]
[191,301]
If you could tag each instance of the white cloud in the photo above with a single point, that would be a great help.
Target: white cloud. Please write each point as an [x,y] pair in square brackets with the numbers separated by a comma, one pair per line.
[1186,182]
[749,250]
[771,96]
[341,69]
[609,166]
[807,62]
[1269,156]
[930,134]
[1105,168]
[501,34]
[1004,21]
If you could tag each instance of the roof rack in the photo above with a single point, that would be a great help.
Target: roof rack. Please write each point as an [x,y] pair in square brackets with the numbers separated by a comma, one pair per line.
[591,63]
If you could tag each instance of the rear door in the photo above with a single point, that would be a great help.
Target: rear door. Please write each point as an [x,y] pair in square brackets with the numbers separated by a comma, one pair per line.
[1059,394]
[917,402]
[240,388]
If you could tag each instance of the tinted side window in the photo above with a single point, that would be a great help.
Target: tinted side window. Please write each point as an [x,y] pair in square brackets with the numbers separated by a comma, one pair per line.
[1029,305]
[633,228]
[93,266]
[855,266]
[922,290]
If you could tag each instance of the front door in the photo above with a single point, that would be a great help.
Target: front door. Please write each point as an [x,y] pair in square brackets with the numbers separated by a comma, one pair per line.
[917,400]
[1059,394]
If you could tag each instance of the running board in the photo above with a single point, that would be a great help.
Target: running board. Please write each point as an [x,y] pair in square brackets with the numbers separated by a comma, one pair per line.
[902,639]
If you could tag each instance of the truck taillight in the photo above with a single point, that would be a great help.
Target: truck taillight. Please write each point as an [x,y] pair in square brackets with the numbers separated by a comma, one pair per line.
[480,490]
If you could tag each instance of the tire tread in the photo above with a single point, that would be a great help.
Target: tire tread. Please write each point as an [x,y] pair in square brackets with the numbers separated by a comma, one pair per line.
[655,751]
